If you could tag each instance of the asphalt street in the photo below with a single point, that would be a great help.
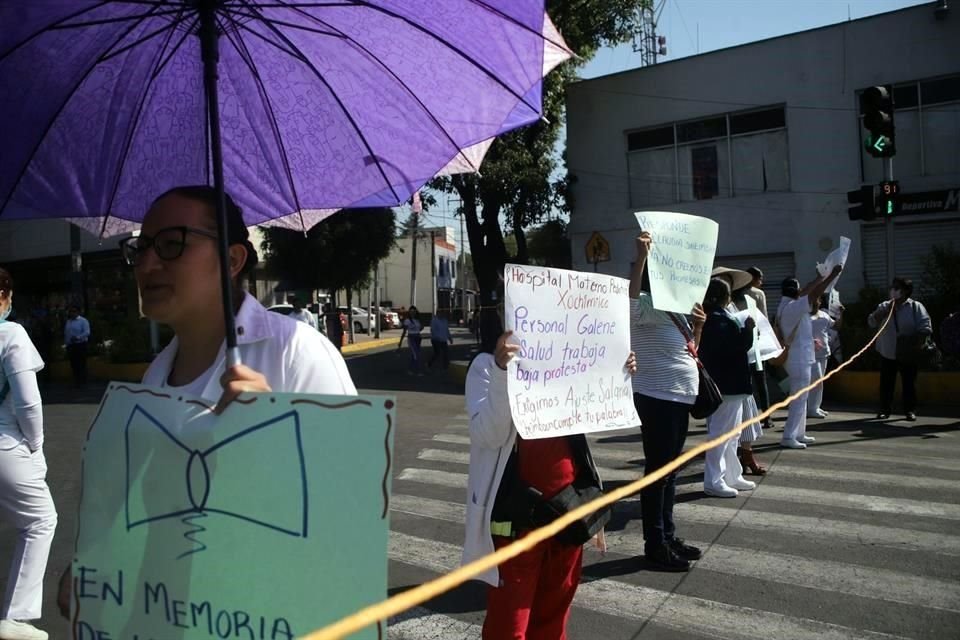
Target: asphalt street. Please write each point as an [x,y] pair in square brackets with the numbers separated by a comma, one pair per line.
[856,537]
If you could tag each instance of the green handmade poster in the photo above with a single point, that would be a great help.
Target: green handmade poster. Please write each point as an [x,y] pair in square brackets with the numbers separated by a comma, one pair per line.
[267,522]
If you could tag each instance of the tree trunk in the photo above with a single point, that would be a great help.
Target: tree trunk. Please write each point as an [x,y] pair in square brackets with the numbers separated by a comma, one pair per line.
[523,255]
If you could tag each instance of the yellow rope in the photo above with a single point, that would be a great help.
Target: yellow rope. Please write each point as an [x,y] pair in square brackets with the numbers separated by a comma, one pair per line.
[438,586]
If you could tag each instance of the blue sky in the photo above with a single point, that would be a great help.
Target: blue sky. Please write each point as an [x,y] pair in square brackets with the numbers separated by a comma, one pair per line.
[725,23]
[717,24]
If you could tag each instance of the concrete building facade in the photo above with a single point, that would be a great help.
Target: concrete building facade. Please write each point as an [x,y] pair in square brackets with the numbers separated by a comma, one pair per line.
[766,139]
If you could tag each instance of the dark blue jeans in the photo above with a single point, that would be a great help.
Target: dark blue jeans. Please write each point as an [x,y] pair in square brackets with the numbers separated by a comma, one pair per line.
[664,432]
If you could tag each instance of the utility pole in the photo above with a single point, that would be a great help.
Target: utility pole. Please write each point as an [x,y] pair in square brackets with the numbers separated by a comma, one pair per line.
[376,299]
[414,234]
[460,277]
[888,226]
[433,269]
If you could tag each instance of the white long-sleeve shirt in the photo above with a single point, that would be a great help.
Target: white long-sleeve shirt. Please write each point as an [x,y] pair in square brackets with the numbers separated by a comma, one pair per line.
[21,413]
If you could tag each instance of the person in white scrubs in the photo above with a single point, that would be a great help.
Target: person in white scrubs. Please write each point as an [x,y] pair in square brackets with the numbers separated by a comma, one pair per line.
[797,330]
[176,266]
[25,499]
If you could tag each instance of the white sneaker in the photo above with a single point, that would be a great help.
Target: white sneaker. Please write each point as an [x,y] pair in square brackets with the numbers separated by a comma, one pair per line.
[743,485]
[807,439]
[822,413]
[15,630]
[720,492]
[792,444]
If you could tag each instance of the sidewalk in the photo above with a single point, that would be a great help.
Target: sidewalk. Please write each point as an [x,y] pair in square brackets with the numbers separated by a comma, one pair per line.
[363,342]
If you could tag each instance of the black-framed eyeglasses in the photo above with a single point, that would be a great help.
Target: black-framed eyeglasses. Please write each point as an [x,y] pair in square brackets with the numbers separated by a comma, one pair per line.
[168,243]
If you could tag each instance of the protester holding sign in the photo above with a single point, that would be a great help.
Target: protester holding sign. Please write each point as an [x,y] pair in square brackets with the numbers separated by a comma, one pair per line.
[796,330]
[664,390]
[176,266]
[25,499]
[512,488]
[723,351]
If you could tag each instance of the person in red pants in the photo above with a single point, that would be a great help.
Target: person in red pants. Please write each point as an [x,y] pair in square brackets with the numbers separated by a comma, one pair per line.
[529,597]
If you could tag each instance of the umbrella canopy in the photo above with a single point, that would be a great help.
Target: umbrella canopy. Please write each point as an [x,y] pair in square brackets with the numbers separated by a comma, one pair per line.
[322,105]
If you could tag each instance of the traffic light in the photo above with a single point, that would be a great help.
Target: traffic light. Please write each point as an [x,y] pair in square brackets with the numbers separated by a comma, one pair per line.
[864,201]
[876,106]
[889,198]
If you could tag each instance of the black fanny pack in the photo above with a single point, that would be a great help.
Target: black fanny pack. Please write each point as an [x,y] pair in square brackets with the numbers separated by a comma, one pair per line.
[526,508]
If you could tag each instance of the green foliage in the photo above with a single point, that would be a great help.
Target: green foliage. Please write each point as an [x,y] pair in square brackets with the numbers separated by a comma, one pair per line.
[338,253]
[854,332]
[130,341]
[940,291]
[549,245]
[516,173]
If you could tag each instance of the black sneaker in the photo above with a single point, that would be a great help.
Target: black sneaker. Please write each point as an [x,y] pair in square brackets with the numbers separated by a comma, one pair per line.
[883,415]
[684,550]
[911,416]
[663,559]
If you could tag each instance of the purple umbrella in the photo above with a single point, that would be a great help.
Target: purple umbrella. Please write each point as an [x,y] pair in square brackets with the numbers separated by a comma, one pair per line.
[300,108]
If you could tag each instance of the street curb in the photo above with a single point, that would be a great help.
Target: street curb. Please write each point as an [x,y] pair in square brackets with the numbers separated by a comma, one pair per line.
[369,345]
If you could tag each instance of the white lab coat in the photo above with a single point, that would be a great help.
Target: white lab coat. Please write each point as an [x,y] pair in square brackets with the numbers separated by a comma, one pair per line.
[492,435]
[293,357]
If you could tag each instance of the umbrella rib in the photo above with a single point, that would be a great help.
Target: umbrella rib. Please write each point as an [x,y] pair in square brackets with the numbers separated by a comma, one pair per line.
[149,36]
[48,27]
[292,54]
[173,52]
[449,45]
[481,3]
[102,21]
[56,114]
[412,93]
[245,55]
[284,23]
[343,107]
[131,131]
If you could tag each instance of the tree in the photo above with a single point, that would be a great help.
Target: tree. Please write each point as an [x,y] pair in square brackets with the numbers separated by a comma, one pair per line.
[516,173]
[338,253]
[549,245]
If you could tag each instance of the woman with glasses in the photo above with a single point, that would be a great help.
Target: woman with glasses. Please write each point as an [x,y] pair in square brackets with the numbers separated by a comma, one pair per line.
[176,265]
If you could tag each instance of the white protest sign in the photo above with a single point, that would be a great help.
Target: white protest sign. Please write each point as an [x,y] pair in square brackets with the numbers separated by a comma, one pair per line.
[574,334]
[765,341]
[837,256]
[681,258]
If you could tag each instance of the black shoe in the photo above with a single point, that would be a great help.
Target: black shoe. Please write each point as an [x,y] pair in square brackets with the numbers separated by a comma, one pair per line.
[663,559]
[911,416]
[883,416]
[683,550]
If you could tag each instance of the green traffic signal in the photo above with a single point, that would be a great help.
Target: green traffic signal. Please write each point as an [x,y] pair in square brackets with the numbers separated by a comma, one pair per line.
[889,207]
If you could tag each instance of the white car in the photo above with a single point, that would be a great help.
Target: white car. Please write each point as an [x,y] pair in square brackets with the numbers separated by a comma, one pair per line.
[362,318]
[389,319]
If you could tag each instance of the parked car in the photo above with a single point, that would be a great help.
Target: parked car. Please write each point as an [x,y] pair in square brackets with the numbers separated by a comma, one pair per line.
[362,318]
[389,319]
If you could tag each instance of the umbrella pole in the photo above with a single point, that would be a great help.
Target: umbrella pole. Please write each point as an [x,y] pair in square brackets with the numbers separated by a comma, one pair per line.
[209,47]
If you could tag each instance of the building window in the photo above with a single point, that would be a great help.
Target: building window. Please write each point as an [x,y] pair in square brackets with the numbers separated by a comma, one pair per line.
[696,160]
[927,118]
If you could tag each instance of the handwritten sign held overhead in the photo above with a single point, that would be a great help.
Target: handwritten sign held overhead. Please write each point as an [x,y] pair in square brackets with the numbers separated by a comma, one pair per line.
[837,256]
[681,258]
[574,334]
[266,522]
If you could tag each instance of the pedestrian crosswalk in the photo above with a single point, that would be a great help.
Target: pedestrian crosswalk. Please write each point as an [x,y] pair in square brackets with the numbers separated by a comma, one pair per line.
[845,540]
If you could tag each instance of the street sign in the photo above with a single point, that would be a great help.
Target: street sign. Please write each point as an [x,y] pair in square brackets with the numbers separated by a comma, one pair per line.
[598,249]
[942,201]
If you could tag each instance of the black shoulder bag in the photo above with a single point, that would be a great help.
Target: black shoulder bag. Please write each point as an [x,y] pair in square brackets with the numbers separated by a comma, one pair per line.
[709,397]
[526,508]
